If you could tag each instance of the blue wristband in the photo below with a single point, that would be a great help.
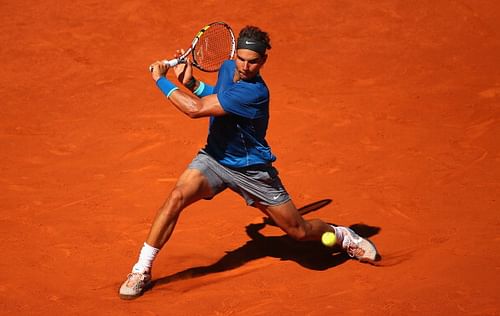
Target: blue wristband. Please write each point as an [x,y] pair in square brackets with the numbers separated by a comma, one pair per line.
[199,90]
[166,86]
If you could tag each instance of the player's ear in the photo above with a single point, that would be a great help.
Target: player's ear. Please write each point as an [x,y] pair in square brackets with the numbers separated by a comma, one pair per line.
[264,58]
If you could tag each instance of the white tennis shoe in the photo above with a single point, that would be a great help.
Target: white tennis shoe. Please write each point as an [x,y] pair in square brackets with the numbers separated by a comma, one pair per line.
[135,285]
[358,247]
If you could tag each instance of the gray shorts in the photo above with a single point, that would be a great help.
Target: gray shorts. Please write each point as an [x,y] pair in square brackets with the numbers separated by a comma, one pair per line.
[255,184]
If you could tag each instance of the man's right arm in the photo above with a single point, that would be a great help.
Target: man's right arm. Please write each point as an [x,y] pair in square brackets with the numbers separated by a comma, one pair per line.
[196,107]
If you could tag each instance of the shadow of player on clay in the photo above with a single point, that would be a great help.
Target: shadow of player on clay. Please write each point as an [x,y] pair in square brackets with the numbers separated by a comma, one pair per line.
[309,254]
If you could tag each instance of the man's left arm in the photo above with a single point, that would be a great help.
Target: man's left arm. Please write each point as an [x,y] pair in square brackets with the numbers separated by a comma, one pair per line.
[189,104]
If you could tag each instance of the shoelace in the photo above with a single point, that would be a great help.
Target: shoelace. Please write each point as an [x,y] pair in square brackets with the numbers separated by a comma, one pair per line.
[135,281]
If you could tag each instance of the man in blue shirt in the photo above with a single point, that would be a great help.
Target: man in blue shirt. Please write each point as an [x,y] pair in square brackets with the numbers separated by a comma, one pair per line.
[237,140]
[236,156]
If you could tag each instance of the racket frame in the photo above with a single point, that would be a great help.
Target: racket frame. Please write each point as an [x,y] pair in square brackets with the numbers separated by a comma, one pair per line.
[182,59]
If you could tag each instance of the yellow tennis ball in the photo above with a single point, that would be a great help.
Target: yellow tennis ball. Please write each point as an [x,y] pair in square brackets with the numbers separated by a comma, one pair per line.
[329,239]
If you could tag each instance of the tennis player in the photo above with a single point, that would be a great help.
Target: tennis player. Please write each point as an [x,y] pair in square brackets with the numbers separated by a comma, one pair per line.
[236,156]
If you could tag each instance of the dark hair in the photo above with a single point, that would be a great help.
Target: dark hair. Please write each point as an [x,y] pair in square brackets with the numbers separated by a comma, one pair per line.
[255,33]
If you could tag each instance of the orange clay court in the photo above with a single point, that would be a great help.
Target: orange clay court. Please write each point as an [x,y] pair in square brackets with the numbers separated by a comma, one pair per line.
[388,112]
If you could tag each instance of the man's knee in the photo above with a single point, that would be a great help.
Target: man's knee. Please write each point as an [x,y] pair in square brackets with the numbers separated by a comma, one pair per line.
[298,233]
[174,204]
[176,196]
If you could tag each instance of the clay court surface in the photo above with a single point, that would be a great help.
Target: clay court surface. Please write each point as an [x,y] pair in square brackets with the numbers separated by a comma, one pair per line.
[389,110]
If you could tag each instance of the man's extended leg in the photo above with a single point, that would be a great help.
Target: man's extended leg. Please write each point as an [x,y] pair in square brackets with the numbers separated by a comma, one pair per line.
[191,187]
[287,217]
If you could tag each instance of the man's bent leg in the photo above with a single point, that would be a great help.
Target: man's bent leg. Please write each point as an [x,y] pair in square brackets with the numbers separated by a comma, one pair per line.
[287,217]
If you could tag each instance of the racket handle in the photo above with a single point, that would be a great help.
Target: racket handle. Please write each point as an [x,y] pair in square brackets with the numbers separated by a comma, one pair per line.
[172,63]
[169,63]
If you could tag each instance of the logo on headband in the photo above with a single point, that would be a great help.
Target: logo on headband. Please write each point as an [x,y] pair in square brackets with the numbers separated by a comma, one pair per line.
[251,44]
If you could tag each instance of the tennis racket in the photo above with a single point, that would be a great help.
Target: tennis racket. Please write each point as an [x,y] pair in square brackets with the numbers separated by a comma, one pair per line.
[211,46]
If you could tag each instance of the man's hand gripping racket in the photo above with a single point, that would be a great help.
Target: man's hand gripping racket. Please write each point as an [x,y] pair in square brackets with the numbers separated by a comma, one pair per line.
[211,46]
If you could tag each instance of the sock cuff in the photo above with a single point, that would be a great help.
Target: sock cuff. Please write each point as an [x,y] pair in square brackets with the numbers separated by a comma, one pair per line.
[146,257]
[339,234]
[150,249]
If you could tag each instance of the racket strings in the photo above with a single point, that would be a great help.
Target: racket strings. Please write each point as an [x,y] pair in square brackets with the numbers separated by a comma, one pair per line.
[214,47]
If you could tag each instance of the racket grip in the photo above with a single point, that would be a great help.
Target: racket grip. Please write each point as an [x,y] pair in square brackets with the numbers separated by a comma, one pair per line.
[169,63]
[172,63]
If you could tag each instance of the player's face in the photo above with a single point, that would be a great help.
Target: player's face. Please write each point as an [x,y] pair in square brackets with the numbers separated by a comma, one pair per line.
[248,63]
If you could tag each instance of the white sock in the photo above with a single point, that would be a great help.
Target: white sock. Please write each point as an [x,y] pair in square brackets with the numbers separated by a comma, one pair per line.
[339,234]
[146,258]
